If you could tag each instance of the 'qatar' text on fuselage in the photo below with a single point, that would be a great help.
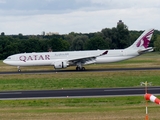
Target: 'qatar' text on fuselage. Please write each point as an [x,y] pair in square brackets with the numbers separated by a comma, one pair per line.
[34,57]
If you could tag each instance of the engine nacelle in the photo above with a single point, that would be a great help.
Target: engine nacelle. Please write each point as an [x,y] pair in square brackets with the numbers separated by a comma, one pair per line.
[60,64]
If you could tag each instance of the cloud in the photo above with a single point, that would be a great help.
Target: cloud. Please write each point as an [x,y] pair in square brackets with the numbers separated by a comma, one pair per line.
[26,7]
[79,21]
[65,16]
[2,1]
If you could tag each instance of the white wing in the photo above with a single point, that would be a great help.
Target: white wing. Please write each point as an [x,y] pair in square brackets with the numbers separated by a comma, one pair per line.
[85,60]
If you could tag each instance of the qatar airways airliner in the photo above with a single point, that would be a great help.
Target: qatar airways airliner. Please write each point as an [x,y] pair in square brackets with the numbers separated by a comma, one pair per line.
[80,58]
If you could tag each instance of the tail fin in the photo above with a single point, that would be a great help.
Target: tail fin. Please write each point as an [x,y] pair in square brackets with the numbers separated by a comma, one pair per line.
[143,41]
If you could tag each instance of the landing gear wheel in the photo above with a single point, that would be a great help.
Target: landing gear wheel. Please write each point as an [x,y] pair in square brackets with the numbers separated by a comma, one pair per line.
[78,68]
[83,69]
[19,70]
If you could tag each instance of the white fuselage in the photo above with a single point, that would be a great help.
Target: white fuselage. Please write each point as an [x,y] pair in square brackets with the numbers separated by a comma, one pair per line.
[48,58]
[79,58]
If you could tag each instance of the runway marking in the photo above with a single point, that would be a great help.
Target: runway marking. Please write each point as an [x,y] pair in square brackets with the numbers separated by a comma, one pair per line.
[89,70]
[6,93]
[133,89]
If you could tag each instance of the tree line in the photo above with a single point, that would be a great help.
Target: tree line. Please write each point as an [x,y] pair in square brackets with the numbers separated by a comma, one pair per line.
[118,37]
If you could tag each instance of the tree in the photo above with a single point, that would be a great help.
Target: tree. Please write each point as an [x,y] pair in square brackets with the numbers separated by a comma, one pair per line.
[79,42]
[69,38]
[157,45]
[58,44]
[123,36]
[2,34]
[97,42]
[114,39]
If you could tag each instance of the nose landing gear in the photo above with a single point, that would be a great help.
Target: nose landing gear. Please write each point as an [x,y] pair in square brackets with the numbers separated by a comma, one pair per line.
[19,70]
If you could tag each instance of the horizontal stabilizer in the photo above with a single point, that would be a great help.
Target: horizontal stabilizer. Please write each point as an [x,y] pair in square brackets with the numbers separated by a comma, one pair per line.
[142,51]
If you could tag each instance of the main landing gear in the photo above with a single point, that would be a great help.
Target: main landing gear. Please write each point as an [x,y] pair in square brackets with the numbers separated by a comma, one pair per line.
[80,68]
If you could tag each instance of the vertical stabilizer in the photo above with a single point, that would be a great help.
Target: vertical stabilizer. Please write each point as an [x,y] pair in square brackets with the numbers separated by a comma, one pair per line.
[143,41]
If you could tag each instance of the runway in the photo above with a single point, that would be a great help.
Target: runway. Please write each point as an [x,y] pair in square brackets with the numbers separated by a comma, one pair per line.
[76,93]
[106,92]
[87,70]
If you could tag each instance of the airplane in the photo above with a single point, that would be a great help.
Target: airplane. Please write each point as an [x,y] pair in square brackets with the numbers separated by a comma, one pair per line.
[81,58]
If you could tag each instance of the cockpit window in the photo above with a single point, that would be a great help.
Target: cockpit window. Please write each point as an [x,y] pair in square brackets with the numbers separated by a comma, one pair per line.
[9,58]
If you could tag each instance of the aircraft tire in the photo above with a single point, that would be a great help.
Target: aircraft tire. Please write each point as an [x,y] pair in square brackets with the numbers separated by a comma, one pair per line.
[78,68]
[83,69]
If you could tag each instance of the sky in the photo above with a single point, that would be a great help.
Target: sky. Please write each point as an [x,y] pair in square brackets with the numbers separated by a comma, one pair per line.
[32,17]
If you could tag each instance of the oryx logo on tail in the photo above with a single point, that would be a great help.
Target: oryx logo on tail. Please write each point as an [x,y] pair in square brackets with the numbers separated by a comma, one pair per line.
[144,41]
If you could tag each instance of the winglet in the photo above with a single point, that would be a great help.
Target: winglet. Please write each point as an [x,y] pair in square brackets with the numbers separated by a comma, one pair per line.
[104,53]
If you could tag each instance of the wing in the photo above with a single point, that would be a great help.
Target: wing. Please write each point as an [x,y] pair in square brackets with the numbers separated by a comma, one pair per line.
[85,60]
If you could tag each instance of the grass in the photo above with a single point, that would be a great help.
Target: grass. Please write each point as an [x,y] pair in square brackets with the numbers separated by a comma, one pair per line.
[78,80]
[85,79]
[105,108]
[111,108]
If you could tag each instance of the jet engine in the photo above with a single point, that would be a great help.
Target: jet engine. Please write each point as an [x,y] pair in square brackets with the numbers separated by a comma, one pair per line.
[60,64]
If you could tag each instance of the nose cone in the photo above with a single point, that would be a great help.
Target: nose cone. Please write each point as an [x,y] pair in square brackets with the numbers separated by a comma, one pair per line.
[5,61]
[8,60]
